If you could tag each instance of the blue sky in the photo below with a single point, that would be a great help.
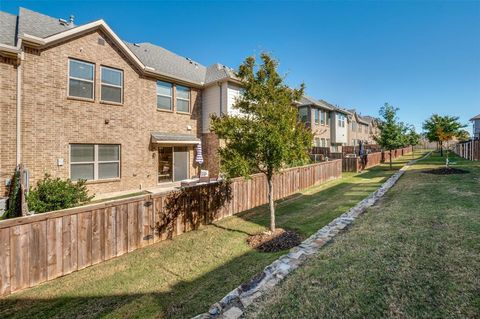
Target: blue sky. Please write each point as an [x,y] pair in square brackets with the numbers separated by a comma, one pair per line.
[423,57]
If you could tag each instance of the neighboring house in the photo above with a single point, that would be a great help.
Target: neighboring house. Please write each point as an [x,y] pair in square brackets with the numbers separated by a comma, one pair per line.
[359,129]
[222,88]
[476,126]
[335,127]
[316,116]
[78,102]
[339,129]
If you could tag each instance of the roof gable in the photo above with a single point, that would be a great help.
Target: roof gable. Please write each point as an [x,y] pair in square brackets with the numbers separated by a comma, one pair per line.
[41,31]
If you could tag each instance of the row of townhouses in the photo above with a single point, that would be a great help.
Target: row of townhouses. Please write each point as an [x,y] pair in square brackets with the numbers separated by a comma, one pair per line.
[79,102]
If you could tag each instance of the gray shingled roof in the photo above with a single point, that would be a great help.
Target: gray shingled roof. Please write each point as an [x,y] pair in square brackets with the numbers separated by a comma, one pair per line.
[156,57]
[8,28]
[475,117]
[39,25]
[168,62]
[217,72]
[307,100]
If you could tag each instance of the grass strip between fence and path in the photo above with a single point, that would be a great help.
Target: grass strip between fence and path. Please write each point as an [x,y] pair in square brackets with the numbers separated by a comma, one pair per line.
[184,276]
[413,255]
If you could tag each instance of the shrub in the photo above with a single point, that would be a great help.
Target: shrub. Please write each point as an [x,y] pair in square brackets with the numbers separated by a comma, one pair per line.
[14,203]
[54,194]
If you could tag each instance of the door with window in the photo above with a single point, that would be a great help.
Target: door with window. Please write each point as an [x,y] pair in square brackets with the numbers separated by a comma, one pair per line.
[180,163]
[172,164]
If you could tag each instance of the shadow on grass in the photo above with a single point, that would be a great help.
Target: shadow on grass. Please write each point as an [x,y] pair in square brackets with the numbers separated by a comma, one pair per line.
[304,213]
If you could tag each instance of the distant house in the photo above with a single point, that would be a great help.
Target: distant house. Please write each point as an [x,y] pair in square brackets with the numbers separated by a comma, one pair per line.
[476,126]
[316,115]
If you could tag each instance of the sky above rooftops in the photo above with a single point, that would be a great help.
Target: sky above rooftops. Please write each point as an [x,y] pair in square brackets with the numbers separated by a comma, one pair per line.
[423,57]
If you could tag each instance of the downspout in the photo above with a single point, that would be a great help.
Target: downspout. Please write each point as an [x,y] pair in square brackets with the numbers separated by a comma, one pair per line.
[220,94]
[19,110]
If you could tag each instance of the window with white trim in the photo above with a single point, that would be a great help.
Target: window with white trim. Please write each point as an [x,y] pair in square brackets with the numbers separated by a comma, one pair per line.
[183,99]
[317,116]
[341,120]
[322,117]
[94,161]
[81,77]
[164,95]
[112,85]
[317,142]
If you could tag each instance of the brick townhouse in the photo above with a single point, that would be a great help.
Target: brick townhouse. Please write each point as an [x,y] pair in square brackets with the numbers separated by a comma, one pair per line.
[335,127]
[79,102]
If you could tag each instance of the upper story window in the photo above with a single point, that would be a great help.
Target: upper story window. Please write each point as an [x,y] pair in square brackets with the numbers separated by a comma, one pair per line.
[303,114]
[317,116]
[327,118]
[323,117]
[81,79]
[164,95]
[341,120]
[183,99]
[112,85]
[94,161]
[354,126]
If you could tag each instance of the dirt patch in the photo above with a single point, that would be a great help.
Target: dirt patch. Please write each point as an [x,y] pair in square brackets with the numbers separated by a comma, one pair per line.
[446,171]
[280,240]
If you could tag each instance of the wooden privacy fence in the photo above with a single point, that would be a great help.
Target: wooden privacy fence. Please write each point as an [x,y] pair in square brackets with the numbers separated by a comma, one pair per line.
[355,164]
[469,150]
[42,247]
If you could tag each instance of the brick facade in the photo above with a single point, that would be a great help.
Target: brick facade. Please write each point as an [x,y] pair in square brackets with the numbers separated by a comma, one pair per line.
[8,100]
[51,120]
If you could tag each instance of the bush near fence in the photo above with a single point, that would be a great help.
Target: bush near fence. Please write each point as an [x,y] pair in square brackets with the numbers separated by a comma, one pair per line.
[42,247]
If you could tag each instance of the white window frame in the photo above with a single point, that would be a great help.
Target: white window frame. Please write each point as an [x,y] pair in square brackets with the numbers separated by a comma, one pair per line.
[183,99]
[80,79]
[323,118]
[111,85]
[96,162]
[341,120]
[164,95]
[316,116]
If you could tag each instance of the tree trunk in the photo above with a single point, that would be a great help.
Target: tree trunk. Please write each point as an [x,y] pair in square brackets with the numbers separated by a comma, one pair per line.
[441,149]
[390,159]
[271,203]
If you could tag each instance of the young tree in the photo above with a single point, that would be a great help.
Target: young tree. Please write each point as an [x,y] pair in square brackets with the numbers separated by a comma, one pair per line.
[442,129]
[392,132]
[267,135]
[412,138]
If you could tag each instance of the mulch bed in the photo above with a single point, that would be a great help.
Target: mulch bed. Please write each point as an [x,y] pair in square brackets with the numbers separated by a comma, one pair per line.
[446,171]
[280,240]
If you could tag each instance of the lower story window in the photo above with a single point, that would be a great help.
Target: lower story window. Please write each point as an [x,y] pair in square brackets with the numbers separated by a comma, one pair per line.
[94,161]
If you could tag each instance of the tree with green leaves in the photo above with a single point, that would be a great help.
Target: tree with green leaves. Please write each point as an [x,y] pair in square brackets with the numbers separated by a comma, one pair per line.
[392,132]
[442,129]
[267,135]
[463,135]
[412,137]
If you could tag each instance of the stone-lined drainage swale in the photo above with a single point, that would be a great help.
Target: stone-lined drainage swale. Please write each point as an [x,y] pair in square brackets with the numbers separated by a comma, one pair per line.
[232,306]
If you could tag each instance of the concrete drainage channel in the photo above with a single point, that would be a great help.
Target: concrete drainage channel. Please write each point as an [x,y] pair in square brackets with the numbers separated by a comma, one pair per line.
[233,305]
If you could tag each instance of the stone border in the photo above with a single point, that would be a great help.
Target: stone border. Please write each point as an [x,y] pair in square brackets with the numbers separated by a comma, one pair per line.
[232,306]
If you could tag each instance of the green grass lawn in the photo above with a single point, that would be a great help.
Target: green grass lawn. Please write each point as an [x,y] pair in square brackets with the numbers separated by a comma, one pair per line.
[416,254]
[184,276]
